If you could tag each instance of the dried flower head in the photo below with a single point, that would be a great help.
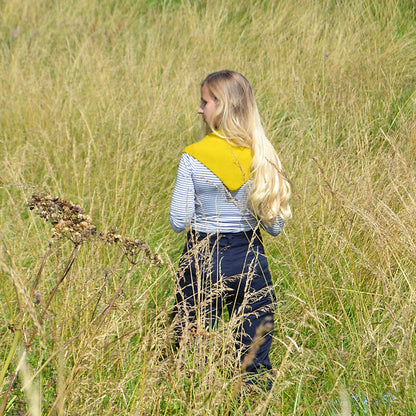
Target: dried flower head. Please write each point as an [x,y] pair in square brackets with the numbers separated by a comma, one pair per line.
[112,237]
[68,220]
[131,247]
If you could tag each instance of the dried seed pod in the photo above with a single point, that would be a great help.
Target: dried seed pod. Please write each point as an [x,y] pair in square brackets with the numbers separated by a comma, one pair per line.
[68,220]
[131,247]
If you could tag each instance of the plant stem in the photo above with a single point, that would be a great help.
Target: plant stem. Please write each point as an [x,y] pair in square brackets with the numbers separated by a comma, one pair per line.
[17,336]
[68,266]
[14,378]
[35,284]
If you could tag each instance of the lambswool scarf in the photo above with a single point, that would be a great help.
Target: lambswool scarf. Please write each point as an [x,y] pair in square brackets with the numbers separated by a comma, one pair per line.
[231,164]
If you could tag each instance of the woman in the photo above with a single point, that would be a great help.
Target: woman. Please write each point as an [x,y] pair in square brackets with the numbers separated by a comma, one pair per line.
[228,185]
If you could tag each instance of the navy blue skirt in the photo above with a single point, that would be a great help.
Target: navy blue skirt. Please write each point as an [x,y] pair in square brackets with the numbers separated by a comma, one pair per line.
[230,269]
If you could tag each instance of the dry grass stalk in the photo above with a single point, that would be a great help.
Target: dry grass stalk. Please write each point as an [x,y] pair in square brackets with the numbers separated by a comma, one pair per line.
[258,341]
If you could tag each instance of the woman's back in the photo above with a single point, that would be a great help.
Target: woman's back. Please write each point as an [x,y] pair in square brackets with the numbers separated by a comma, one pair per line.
[210,206]
[201,200]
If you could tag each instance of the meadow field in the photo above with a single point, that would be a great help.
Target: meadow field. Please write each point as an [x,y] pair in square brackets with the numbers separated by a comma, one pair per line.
[97,101]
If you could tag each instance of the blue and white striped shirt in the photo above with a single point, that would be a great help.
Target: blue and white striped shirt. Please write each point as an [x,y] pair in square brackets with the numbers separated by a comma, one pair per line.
[202,201]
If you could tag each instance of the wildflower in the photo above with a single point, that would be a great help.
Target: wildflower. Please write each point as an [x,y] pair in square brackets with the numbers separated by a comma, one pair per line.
[35,32]
[37,295]
[15,32]
[68,220]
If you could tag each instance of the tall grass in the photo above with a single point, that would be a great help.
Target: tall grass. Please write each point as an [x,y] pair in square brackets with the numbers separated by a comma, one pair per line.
[97,100]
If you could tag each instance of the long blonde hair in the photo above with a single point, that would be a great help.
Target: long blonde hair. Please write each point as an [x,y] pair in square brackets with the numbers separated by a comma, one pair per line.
[237,118]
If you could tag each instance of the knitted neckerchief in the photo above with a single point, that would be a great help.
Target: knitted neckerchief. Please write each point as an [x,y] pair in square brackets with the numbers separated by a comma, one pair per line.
[231,164]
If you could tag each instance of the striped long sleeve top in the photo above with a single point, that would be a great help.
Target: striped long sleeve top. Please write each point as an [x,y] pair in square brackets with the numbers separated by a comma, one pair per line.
[201,201]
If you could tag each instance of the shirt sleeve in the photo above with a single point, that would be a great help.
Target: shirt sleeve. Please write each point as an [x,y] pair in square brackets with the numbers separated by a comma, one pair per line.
[275,228]
[182,206]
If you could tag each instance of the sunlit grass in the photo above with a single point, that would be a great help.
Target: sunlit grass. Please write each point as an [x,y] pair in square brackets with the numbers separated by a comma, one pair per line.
[97,101]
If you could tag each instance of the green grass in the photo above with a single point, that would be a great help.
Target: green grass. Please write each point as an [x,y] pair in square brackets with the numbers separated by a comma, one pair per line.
[97,101]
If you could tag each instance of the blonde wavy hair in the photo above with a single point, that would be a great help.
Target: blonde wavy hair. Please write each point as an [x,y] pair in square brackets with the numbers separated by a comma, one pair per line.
[237,119]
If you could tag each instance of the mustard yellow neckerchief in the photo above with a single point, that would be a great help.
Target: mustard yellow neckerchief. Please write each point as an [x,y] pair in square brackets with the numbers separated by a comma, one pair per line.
[231,164]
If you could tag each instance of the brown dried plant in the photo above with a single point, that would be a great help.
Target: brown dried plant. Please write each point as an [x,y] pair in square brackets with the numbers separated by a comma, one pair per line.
[68,220]
[132,248]
[71,221]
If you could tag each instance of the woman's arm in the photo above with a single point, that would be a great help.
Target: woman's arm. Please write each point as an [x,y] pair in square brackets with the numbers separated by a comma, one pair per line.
[182,206]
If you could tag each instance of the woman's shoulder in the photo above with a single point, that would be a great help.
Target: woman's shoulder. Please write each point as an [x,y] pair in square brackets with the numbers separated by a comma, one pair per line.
[199,146]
